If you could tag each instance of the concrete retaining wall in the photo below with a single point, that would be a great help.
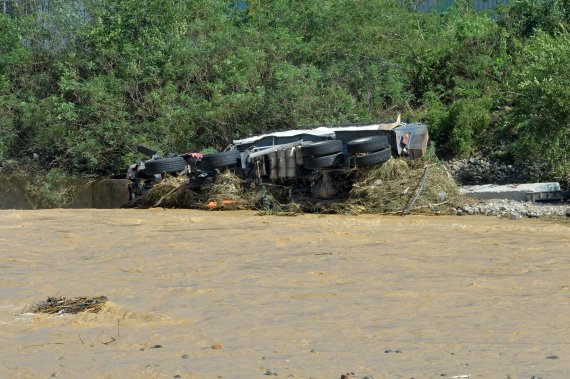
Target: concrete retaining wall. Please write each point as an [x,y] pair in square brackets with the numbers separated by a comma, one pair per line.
[104,194]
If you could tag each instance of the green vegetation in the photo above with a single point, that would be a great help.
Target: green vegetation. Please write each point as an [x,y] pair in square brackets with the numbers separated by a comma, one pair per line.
[84,82]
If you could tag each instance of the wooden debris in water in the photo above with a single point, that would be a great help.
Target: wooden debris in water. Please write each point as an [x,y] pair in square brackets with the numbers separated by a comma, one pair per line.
[61,305]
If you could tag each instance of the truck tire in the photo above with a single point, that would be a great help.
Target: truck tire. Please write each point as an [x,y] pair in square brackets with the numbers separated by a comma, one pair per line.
[319,149]
[374,158]
[324,161]
[367,144]
[158,166]
[220,160]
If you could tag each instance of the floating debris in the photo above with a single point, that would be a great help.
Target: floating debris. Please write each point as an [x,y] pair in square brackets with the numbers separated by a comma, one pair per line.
[61,305]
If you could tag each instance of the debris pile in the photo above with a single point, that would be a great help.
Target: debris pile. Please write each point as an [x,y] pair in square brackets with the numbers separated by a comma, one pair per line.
[398,186]
[61,305]
[403,186]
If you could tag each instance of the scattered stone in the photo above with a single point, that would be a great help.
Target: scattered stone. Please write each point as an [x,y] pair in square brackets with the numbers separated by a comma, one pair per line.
[392,351]
[368,377]
[156,347]
[314,351]
[353,373]
[53,375]
[217,346]
[535,377]
[184,356]
[552,357]
[177,376]
[271,371]
[483,168]
[512,209]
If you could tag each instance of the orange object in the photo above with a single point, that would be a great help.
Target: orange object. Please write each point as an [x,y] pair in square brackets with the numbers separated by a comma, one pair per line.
[212,204]
[228,202]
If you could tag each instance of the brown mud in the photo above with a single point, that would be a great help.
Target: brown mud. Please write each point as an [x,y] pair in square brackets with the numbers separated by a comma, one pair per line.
[311,296]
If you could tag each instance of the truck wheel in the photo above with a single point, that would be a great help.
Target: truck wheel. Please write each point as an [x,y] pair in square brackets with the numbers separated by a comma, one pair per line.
[367,144]
[220,160]
[324,161]
[318,149]
[158,166]
[374,158]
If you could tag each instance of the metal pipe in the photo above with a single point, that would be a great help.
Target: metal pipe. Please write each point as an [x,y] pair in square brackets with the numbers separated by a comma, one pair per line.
[281,164]
[274,148]
[291,162]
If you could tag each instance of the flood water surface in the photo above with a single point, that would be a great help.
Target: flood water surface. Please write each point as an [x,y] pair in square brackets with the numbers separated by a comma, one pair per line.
[232,295]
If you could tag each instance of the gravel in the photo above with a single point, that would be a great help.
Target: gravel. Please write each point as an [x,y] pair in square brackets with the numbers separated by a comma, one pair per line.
[481,169]
[515,210]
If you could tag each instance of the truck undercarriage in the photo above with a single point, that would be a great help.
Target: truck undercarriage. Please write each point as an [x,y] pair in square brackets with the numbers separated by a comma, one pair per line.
[318,162]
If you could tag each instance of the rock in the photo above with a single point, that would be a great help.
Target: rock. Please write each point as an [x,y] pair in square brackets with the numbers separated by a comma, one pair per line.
[156,347]
[271,371]
[177,376]
[515,215]
[217,346]
[459,212]
[368,377]
[184,356]
[552,357]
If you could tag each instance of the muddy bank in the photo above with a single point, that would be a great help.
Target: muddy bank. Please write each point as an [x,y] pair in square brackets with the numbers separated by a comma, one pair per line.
[307,296]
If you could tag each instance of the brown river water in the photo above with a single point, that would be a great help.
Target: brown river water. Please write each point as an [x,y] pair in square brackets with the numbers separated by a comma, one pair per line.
[312,296]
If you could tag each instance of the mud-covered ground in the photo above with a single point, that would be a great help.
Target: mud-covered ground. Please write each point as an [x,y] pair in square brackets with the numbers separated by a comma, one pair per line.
[197,294]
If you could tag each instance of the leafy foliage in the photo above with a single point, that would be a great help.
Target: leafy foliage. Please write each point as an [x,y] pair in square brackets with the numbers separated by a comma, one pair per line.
[540,120]
[83,82]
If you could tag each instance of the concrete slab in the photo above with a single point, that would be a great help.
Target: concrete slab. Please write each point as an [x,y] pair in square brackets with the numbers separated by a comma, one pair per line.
[519,192]
[83,196]
[12,195]
[109,193]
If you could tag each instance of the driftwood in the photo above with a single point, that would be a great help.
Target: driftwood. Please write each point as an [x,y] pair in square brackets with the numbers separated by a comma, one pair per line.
[418,192]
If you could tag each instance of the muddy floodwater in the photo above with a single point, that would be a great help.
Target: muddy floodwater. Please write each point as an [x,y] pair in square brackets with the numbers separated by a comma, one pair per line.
[234,295]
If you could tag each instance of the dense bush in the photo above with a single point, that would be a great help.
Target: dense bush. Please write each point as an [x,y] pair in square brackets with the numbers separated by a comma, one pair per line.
[85,81]
[540,120]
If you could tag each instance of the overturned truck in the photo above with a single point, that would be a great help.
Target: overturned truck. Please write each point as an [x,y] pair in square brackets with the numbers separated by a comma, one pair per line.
[318,162]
